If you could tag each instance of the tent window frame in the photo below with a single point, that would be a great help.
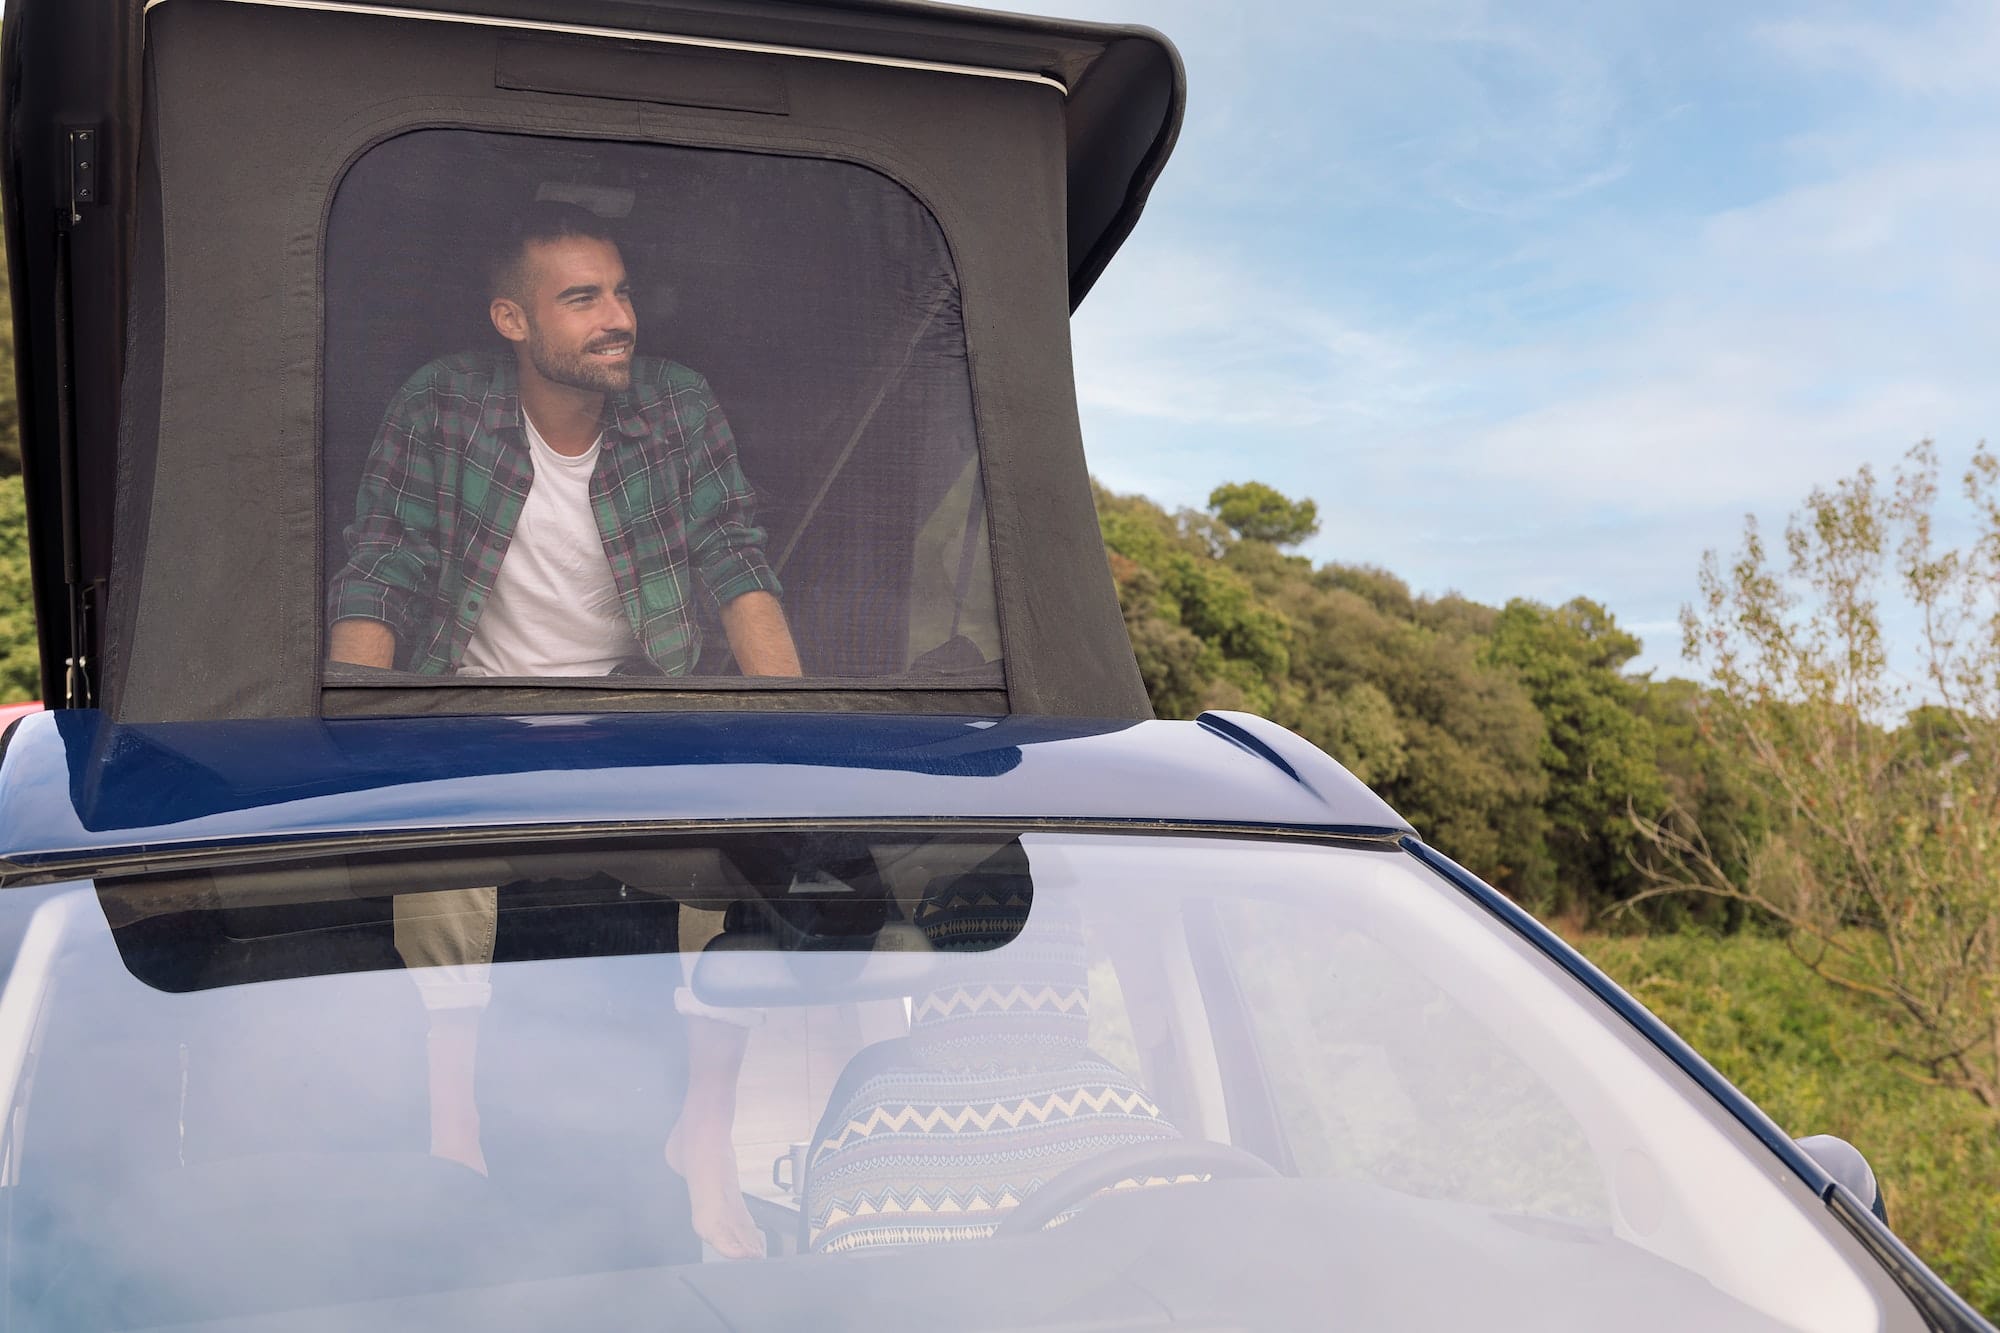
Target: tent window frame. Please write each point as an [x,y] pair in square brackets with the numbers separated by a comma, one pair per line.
[979,687]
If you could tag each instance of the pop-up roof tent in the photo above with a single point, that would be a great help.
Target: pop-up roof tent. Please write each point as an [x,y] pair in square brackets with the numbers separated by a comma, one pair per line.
[239,230]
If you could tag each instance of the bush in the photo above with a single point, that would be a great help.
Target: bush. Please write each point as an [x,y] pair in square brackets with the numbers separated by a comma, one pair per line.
[20,655]
[1795,1047]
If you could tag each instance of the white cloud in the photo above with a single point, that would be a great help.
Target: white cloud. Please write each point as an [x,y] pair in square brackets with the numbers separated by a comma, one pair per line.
[1925,211]
[1183,336]
[1786,343]
[1954,53]
[1446,102]
[1781,344]
[1502,117]
[1675,445]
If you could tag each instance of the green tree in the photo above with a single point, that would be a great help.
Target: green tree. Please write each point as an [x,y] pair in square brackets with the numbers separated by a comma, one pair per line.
[10,415]
[1463,759]
[1203,637]
[20,653]
[1708,783]
[1882,855]
[1401,689]
[1258,513]
[1597,747]
[20,662]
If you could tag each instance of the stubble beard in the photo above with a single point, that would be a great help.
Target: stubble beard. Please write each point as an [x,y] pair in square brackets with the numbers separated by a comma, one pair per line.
[579,369]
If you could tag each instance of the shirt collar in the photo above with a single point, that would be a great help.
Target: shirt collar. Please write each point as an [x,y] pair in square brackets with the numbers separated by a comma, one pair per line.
[623,413]
[500,410]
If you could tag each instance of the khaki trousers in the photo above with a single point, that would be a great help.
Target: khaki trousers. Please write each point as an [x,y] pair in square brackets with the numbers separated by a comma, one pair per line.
[445,938]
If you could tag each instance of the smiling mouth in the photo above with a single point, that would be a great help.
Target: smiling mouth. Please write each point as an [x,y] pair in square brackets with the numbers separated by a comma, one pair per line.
[610,349]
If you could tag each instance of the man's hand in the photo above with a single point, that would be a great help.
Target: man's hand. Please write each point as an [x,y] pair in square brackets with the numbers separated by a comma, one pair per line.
[759,636]
[367,643]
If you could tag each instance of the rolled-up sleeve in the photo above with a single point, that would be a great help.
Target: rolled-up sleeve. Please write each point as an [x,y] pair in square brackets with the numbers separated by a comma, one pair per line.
[392,554]
[724,541]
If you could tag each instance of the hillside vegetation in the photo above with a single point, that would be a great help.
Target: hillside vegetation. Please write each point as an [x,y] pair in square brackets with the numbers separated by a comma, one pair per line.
[20,668]
[1508,735]
[1803,1052]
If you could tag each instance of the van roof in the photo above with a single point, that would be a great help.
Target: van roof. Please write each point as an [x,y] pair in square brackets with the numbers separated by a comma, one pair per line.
[78,792]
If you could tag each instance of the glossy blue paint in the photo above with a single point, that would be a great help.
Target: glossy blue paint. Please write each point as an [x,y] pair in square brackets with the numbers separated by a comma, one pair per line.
[75,786]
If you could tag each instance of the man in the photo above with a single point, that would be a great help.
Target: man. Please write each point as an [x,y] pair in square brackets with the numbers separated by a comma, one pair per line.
[550,511]
[554,509]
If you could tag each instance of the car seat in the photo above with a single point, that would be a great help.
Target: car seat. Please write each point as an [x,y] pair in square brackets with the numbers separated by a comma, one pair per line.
[937,1136]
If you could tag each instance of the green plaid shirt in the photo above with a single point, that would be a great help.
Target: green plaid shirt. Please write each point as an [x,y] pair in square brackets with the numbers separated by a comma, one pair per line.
[450,470]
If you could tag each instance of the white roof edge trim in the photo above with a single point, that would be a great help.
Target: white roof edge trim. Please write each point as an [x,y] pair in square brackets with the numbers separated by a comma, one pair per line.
[661,38]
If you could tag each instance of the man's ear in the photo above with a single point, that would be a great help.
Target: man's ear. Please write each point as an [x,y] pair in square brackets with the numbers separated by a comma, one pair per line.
[509,319]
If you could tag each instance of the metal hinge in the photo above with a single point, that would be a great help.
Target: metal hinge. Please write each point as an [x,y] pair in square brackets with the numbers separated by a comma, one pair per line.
[84,141]
[82,144]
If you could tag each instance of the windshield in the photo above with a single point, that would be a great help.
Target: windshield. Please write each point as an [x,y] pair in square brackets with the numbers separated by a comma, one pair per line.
[1008,1079]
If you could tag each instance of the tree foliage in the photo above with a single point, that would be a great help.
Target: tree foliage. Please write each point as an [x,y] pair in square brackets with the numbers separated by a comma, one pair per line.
[10,415]
[20,664]
[1597,747]
[1881,855]
[20,653]
[1509,736]
[1257,513]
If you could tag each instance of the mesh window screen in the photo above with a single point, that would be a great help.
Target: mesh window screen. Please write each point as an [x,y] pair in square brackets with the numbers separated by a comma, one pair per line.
[782,417]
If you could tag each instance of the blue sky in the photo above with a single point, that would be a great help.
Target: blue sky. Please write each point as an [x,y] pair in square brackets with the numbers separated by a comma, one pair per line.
[1540,299]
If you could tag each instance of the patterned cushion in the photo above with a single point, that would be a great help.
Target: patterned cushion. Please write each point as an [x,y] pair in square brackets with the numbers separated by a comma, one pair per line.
[995,1092]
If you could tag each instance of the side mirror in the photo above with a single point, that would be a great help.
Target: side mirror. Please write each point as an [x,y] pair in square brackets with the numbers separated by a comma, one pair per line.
[1844,1162]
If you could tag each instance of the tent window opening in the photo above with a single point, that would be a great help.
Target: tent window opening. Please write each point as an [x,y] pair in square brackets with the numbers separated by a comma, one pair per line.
[603,408]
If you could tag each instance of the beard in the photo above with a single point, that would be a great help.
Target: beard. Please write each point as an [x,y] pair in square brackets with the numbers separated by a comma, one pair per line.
[578,368]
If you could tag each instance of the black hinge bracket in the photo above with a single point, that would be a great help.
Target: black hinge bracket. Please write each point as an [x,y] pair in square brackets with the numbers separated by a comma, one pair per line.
[81,144]
[84,142]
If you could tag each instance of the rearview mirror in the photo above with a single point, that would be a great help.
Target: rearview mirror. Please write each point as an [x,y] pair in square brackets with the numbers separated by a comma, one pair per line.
[759,970]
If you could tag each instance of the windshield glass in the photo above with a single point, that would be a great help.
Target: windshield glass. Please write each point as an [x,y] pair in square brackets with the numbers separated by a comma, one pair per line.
[808,1080]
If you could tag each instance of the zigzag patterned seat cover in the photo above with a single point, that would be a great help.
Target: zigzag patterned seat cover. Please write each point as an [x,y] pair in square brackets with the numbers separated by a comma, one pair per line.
[995,1091]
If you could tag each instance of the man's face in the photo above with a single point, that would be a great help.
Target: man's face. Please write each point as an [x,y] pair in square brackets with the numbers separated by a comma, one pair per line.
[574,314]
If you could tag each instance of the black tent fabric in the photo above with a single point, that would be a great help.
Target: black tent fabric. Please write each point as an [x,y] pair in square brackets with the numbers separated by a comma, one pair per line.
[262,335]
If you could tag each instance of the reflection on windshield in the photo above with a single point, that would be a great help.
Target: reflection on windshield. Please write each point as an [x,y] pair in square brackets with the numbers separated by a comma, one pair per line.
[1183,1063]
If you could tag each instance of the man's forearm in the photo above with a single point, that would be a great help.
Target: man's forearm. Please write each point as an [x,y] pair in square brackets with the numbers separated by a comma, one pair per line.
[759,636]
[702,1146]
[362,643]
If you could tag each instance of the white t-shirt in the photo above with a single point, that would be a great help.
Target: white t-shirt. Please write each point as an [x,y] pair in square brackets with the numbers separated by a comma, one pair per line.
[554,610]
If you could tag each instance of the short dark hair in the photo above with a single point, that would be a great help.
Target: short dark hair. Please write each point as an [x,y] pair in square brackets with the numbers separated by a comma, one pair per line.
[536,224]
